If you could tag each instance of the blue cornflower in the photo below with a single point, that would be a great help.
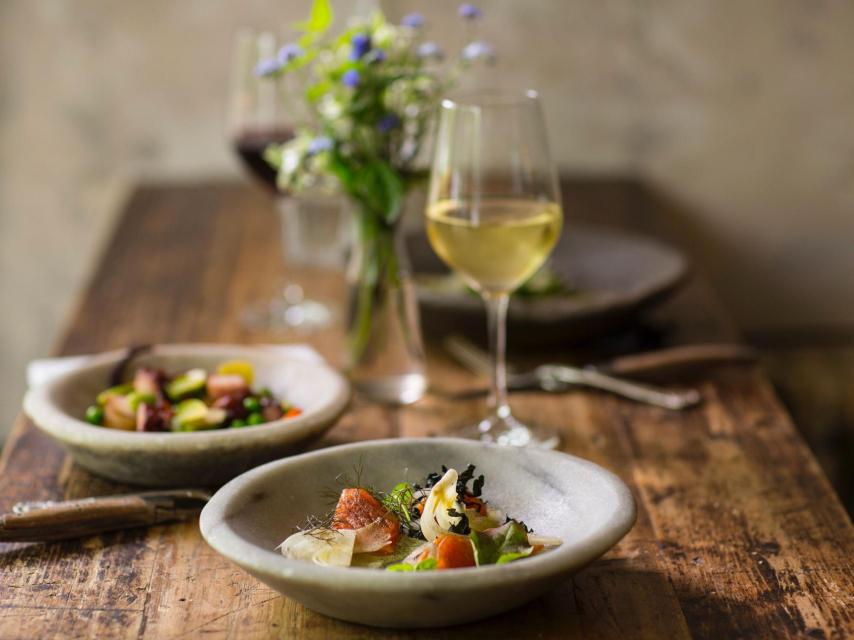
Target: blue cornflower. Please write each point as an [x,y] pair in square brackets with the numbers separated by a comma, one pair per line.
[351,78]
[319,145]
[388,122]
[469,11]
[413,21]
[267,67]
[361,43]
[289,52]
[377,55]
[478,49]
[430,50]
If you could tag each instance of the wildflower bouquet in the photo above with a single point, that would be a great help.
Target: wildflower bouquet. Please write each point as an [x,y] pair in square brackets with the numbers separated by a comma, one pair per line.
[371,93]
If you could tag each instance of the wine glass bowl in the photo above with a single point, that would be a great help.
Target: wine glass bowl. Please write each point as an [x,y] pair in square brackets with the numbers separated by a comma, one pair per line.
[494,216]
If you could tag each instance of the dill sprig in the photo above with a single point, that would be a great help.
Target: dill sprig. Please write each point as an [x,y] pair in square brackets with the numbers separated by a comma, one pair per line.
[320,527]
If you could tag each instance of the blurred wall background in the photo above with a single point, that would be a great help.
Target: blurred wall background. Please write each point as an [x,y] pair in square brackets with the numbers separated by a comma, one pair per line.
[739,111]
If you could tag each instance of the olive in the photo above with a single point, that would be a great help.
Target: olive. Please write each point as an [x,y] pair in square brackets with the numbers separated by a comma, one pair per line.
[95,415]
[255,418]
[251,403]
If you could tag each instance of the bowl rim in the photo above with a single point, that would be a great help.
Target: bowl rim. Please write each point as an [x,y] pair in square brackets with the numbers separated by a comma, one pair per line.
[213,524]
[48,417]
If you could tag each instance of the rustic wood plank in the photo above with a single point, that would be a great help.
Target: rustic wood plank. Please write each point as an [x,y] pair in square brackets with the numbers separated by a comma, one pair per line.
[738,535]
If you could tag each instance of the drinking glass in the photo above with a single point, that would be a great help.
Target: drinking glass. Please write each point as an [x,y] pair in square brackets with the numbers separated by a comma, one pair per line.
[315,226]
[494,216]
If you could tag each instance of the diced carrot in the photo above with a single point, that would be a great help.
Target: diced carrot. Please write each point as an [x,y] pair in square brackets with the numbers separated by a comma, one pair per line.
[453,551]
[293,412]
[357,508]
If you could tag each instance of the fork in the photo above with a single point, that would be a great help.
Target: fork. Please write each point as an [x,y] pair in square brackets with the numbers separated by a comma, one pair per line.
[558,377]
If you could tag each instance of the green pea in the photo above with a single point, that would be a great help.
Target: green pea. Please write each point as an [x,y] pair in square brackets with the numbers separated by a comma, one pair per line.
[252,405]
[254,418]
[237,423]
[265,392]
[95,415]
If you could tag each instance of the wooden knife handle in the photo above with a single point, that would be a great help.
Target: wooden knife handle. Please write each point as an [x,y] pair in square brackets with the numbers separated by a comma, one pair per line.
[78,518]
[680,360]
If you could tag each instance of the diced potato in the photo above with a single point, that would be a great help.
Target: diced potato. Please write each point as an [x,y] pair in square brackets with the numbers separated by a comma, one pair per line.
[118,413]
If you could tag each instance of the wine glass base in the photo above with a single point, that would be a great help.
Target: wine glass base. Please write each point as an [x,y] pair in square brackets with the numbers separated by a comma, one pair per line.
[509,431]
[305,315]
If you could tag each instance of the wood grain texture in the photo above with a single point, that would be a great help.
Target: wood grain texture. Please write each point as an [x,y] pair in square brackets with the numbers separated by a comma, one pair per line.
[738,533]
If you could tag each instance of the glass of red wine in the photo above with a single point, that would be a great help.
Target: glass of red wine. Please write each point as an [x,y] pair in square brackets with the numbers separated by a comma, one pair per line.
[265,111]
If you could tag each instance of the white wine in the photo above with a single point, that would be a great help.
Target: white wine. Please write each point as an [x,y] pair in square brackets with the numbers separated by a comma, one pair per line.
[499,244]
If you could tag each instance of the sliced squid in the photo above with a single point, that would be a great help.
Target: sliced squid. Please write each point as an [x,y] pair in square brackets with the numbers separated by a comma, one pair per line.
[325,547]
[435,520]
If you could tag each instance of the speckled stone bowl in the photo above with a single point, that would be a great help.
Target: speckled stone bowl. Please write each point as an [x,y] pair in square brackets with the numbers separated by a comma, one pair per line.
[589,508]
[205,458]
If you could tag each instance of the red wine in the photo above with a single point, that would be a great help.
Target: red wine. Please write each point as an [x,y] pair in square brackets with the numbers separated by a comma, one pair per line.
[250,145]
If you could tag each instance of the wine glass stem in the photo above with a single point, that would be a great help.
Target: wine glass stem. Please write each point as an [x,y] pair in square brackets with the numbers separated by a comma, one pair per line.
[496,307]
[283,210]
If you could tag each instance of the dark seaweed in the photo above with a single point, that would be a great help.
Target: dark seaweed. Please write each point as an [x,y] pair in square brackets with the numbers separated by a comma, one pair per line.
[519,522]
[462,482]
[464,478]
[462,526]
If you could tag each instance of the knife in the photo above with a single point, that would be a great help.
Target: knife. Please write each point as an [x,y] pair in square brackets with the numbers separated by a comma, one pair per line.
[49,521]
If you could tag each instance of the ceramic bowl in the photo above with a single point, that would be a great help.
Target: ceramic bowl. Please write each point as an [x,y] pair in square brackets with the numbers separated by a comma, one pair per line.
[202,458]
[589,508]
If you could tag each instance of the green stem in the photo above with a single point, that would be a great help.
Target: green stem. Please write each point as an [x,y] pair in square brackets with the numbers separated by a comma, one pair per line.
[377,273]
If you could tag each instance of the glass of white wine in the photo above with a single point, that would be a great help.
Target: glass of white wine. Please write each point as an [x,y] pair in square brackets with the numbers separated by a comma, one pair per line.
[494,216]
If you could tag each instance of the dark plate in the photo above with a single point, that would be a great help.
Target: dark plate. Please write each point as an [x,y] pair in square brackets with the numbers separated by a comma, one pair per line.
[615,275]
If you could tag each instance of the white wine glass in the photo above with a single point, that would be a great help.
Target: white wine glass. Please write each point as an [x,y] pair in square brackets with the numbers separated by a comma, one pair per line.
[494,216]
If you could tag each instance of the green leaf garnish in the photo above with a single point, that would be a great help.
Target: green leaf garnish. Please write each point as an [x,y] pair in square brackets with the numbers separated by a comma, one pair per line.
[425,565]
[503,544]
[398,501]
[509,557]
[319,20]
[428,564]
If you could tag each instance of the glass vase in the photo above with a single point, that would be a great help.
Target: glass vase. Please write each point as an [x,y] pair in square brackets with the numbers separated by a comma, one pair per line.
[386,354]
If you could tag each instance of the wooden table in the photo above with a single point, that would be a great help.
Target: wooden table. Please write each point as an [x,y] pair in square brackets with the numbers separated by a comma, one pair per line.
[738,532]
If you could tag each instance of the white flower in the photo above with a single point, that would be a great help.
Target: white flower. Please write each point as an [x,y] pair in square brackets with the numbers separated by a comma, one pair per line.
[330,107]
[291,157]
[385,35]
